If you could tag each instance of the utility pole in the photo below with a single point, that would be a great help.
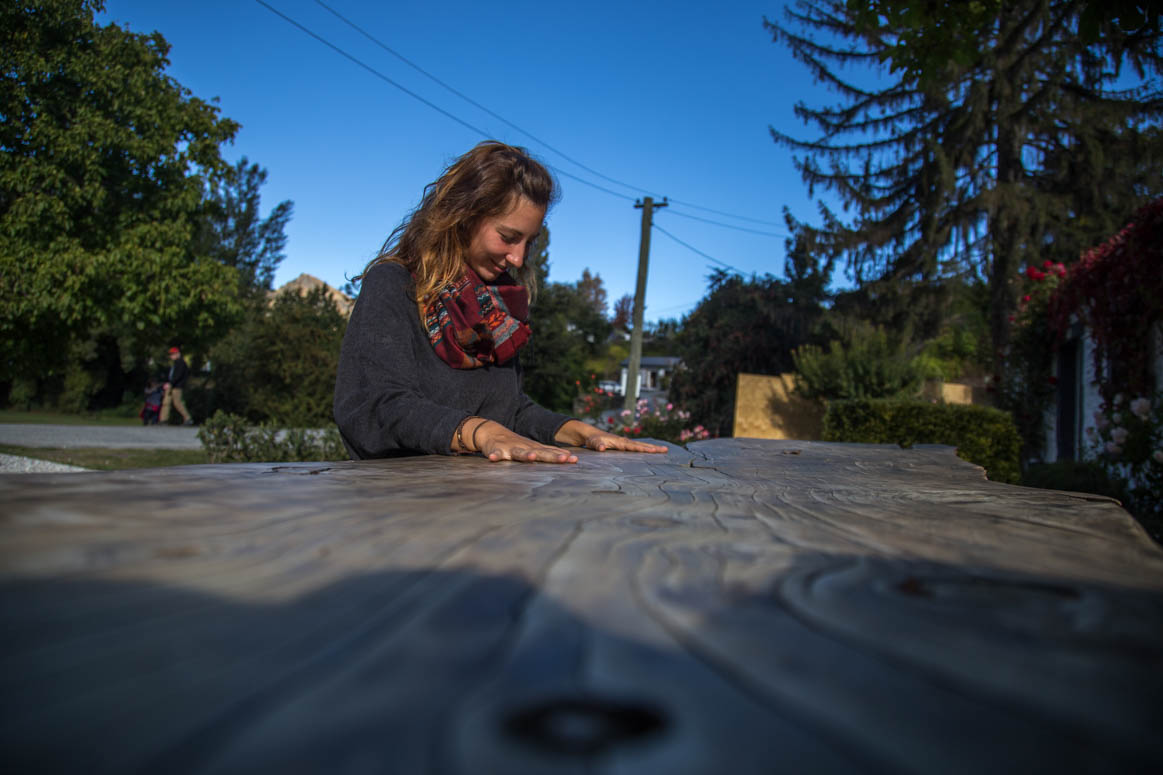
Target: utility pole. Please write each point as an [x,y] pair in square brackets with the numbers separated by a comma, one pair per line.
[647,206]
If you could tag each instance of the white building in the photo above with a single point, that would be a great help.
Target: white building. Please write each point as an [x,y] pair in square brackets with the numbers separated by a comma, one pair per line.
[1078,396]
[652,373]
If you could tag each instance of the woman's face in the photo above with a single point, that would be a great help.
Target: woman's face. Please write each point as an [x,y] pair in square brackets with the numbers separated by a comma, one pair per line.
[501,242]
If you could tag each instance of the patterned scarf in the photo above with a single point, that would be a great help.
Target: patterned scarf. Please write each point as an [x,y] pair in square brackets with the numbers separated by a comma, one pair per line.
[471,324]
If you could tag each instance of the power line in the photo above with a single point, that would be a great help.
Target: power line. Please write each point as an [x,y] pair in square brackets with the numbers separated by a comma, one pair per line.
[473,102]
[692,248]
[729,215]
[727,225]
[416,96]
[499,117]
[684,305]
[560,171]
[371,69]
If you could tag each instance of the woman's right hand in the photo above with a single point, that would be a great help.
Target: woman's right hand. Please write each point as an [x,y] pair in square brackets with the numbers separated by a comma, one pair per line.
[496,442]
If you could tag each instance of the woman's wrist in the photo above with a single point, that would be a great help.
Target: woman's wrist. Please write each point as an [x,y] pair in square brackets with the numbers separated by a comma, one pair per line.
[574,432]
[461,448]
[476,447]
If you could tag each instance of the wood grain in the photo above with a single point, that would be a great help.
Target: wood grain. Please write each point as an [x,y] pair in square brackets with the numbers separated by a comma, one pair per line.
[740,606]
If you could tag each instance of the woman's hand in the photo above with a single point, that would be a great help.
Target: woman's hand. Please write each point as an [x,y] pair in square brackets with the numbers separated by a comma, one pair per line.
[581,434]
[496,442]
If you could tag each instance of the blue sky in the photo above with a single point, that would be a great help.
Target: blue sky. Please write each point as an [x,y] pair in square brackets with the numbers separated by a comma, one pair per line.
[673,98]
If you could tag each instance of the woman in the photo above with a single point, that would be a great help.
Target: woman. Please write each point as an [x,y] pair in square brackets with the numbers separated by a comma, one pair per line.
[429,361]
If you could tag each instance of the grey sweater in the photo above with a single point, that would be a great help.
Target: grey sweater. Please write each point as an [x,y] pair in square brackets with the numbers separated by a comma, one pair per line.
[395,396]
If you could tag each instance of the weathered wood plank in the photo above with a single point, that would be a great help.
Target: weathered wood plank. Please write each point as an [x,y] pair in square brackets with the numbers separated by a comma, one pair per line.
[742,606]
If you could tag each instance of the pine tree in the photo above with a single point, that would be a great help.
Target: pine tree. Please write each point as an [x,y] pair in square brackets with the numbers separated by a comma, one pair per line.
[1027,149]
[234,233]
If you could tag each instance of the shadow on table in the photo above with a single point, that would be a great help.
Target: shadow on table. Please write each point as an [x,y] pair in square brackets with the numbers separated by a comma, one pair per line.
[456,671]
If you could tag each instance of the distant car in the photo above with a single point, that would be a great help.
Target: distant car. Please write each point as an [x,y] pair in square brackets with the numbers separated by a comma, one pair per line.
[610,386]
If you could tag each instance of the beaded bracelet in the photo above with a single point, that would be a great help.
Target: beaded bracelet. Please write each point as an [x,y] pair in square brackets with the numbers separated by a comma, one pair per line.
[463,450]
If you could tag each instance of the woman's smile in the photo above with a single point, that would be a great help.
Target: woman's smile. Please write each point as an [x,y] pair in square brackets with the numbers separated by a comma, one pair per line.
[502,242]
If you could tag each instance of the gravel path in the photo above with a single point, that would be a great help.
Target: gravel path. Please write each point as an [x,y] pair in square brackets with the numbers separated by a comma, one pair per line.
[12,464]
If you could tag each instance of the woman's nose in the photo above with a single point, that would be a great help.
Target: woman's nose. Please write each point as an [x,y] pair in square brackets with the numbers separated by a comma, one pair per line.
[517,257]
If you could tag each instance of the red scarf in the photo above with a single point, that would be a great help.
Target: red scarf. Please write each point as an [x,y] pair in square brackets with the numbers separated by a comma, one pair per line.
[471,324]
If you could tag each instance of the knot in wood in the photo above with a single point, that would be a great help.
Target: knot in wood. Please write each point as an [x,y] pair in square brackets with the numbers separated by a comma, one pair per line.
[582,726]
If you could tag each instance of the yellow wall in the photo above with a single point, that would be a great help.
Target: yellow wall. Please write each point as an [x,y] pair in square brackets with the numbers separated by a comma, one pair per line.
[956,393]
[767,408]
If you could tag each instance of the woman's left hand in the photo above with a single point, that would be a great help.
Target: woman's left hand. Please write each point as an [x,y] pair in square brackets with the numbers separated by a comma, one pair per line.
[581,434]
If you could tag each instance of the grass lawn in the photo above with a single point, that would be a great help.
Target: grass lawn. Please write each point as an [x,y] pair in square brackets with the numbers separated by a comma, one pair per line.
[100,459]
[61,418]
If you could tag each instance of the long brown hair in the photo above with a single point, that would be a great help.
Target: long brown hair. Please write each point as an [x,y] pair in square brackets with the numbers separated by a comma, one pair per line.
[485,182]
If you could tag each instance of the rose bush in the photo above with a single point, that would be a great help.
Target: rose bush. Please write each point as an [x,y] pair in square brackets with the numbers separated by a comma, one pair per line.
[665,423]
[1028,386]
[1127,439]
[1116,291]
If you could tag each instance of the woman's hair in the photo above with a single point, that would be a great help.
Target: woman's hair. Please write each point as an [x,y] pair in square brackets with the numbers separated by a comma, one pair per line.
[485,182]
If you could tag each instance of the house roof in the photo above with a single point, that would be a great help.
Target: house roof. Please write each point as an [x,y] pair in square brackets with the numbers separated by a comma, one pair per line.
[656,361]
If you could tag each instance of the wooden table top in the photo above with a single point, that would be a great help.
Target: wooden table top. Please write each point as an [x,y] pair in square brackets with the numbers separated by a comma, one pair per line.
[743,607]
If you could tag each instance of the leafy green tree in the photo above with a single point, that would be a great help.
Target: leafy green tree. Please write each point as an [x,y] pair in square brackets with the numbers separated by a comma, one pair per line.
[538,257]
[280,364]
[101,157]
[553,362]
[974,165]
[234,233]
[569,328]
[869,362]
[741,326]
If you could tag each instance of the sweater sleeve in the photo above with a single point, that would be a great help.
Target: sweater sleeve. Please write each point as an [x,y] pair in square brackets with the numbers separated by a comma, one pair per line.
[379,406]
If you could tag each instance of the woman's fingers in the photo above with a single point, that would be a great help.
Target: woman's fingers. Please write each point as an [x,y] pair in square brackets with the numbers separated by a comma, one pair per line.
[506,445]
[530,453]
[607,441]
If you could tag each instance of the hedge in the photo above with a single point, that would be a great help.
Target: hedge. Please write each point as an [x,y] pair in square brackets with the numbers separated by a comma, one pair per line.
[984,436]
[229,438]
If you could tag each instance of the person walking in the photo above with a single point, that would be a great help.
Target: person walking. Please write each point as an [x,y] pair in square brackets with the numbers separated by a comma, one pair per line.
[175,384]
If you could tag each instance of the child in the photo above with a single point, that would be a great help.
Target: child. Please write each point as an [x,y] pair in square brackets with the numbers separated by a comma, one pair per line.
[153,402]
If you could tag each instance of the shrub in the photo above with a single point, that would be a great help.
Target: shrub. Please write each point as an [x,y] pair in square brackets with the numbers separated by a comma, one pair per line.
[870,364]
[22,394]
[984,436]
[280,365]
[1127,439]
[229,438]
[79,387]
[1098,477]
[1027,386]
[664,423]
[1073,476]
